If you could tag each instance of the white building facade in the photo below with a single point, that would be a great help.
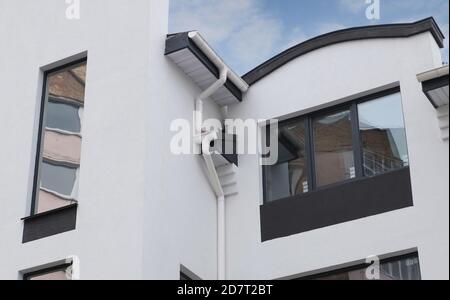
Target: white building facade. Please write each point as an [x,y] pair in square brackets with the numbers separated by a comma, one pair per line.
[90,182]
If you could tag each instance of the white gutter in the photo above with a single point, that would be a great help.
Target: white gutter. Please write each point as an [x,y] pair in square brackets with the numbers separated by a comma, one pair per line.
[217,61]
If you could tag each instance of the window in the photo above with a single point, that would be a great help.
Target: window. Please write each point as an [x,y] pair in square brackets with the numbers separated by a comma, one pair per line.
[398,268]
[364,138]
[383,135]
[289,176]
[333,148]
[59,148]
[61,272]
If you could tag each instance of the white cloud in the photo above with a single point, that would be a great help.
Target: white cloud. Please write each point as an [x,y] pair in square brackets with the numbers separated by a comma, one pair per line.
[296,37]
[244,32]
[354,6]
[254,42]
[216,19]
[415,5]
[329,27]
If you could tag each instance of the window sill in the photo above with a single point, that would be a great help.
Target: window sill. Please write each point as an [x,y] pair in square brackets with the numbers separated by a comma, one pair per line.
[49,223]
[53,211]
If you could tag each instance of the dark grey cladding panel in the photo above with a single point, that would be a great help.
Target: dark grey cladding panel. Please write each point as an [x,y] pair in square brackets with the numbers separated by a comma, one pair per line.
[339,204]
[346,35]
[179,41]
[49,223]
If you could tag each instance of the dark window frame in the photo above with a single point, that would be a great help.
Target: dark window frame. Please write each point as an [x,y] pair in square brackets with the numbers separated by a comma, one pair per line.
[361,266]
[60,267]
[352,106]
[40,139]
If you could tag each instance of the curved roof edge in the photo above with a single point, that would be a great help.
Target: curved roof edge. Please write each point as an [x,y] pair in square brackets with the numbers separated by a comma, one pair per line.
[351,34]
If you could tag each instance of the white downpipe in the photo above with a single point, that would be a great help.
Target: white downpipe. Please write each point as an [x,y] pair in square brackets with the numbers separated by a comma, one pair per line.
[221,226]
[212,173]
[221,239]
[205,141]
[199,103]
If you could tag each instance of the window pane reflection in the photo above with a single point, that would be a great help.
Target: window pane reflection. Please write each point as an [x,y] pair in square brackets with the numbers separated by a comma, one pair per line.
[383,135]
[333,148]
[62,135]
[401,268]
[58,275]
[289,176]
[58,179]
[62,273]
[63,116]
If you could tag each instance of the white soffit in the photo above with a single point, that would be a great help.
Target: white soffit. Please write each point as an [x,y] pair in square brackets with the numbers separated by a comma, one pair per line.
[435,86]
[195,64]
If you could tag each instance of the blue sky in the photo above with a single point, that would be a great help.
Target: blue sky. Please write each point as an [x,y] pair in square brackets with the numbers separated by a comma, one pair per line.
[246,33]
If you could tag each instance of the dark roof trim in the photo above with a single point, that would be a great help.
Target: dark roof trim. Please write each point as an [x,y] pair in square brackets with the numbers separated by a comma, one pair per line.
[179,41]
[434,84]
[346,35]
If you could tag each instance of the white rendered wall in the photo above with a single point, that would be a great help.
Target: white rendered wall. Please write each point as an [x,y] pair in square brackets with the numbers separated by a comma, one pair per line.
[180,208]
[142,212]
[316,80]
[108,239]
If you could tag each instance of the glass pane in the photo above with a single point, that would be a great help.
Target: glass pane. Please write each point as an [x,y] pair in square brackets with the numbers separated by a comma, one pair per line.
[63,116]
[383,135]
[289,176]
[402,269]
[68,85]
[333,148]
[62,274]
[396,269]
[61,144]
[58,179]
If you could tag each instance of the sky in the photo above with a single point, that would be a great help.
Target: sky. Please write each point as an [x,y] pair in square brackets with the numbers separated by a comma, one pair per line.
[246,33]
